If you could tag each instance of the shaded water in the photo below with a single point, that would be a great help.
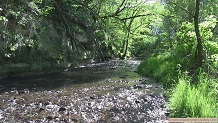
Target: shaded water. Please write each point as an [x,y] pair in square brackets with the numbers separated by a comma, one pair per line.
[104,92]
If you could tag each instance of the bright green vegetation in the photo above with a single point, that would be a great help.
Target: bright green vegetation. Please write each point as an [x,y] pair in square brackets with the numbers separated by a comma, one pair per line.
[177,38]
[190,77]
[194,101]
[161,67]
[190,95]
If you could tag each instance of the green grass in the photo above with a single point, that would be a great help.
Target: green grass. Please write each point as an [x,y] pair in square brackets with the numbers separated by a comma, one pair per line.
[186,99]
[198,101]
[162,68]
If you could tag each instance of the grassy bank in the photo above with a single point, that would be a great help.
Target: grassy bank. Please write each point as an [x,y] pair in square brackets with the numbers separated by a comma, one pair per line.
[198,101]
[187,98]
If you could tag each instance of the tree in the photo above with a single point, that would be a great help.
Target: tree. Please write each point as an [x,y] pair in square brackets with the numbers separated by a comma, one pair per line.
[123,20]
[41,31]
[198,35]
[194,14]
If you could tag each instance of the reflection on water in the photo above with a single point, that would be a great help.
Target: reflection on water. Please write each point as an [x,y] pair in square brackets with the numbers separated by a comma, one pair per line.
[56,80]
[83,74]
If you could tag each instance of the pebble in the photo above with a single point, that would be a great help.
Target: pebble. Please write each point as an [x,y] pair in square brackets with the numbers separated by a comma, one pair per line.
[62,109]
[74,120]
[137,102]
[137,86]
[1,114]
[92,97]
[88,102]
[50,117]
[41,109]
[52,108]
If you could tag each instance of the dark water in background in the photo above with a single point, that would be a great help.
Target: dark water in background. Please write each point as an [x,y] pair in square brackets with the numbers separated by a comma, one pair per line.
[80,75]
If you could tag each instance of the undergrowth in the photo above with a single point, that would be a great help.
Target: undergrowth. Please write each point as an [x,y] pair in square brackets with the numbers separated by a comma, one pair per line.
[190,100]
[187,97]
[161,67]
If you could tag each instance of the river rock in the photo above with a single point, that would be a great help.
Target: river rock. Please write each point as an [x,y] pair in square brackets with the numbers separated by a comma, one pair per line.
[137,102]
[52,108]
[62,109]
[96,100]
[137,86]
[1,114]
[41,109]
[50,117]
[91,97]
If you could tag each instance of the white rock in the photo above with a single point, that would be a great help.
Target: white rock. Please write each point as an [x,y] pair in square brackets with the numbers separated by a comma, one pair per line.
[52,108]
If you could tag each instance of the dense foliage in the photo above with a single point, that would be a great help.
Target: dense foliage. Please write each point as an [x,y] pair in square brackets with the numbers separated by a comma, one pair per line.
[189,73]
[47,33]
[60,33]
[177,38]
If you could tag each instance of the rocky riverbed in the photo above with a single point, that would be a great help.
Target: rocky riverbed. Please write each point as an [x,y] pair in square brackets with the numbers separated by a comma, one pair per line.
[110,92]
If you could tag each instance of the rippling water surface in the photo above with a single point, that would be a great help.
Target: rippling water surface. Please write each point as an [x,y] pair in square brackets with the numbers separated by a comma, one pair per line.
[110,92]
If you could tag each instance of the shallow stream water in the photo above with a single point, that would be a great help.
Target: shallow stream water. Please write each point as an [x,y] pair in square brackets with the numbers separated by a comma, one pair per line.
[109,92]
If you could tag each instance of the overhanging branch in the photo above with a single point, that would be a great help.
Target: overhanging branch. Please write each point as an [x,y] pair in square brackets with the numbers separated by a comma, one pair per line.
[136,16]
[69,31]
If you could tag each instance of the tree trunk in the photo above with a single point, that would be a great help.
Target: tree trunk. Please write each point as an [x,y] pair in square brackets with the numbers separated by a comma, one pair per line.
[126,46]
[128,27]
[198,36]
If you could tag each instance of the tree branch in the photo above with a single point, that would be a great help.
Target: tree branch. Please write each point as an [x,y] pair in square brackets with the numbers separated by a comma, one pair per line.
[69,31]
[119,9]
[136,16]
[183,9]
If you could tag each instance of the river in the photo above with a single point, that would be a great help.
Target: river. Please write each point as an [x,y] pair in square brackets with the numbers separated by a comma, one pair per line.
[109,92]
